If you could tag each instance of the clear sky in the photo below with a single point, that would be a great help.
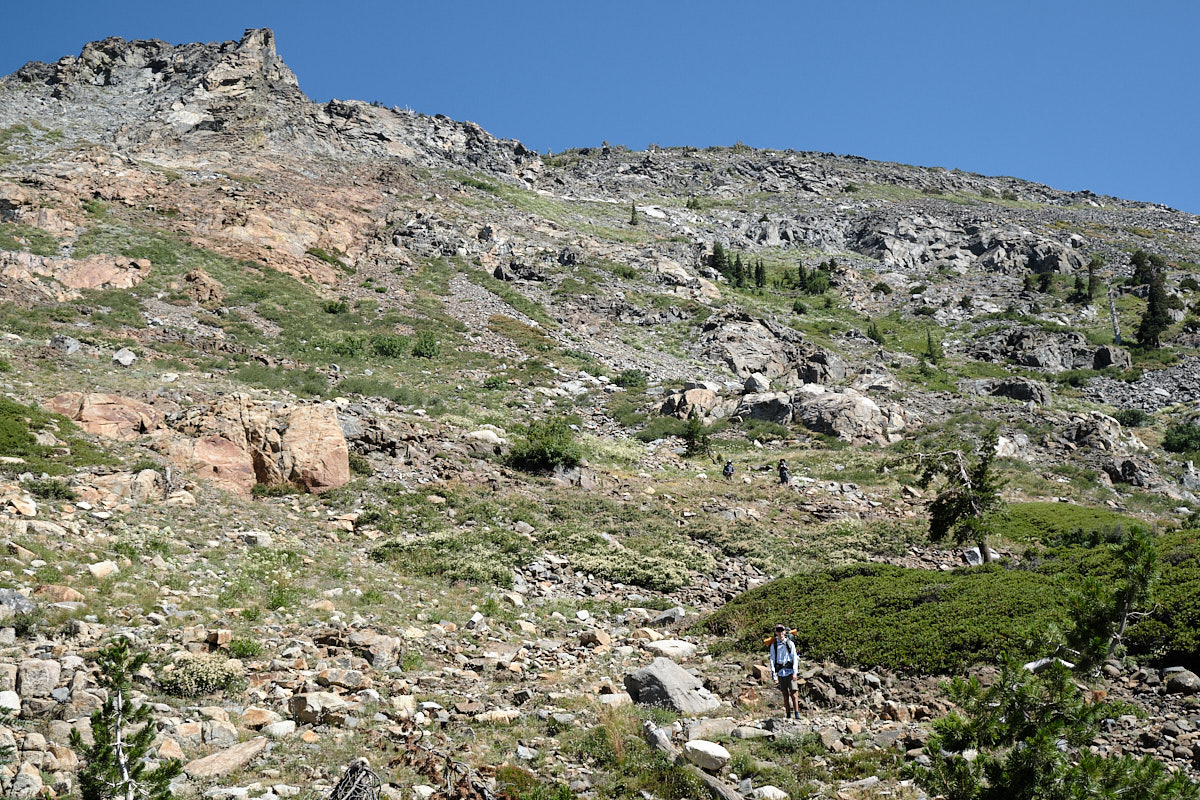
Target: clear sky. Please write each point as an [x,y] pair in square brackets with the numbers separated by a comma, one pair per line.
[1078,94]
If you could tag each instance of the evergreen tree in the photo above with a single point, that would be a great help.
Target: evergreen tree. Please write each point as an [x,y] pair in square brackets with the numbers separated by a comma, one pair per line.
[720,259]
[1045,282]
[760,275]
[633,217]
[1030,282]
[933,348]
[1093,279]
[1031,736]
[114,765]
[739,272]
[1156,319]
[1143,271]
[1080,294]
[695,436]
[874,334]
[970,496]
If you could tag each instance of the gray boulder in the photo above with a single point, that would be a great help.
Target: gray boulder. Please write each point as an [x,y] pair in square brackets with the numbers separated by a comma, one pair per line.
[757,384]
[1183,682]
[770,406]
[847,415]
[668,685]
[1022,389]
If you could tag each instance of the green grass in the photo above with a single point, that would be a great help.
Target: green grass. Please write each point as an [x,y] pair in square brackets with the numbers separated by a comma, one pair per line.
[35,240]
[18,423]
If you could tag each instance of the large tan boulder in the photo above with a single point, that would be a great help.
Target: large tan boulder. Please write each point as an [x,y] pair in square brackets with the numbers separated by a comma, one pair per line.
[215,459]
[315,454]
[102,272]
[265,443]
[108,415]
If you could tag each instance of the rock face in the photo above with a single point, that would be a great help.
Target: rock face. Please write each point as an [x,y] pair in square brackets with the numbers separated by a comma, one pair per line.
[776,353]
[919,240]
[1050,352]
[108,415]
[664,683]
[239,442]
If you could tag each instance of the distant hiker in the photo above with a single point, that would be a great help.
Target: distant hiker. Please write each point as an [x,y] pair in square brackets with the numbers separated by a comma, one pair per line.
[727,470]
[785,474]
[784,663]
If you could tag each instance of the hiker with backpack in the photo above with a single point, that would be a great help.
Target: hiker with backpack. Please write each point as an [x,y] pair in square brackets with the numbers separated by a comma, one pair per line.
[785,474]
[727,470]
[785,661]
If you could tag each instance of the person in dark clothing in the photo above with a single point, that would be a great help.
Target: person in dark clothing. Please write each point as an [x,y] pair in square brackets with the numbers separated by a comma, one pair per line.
[785,474]
[727,470]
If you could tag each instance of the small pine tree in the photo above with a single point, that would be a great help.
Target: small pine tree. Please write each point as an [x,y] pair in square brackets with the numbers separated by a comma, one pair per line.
[933,348]
[1093,279]
[1143,269]
[695,436]
[1030,282]
[720,259]
[1080,294]
[970,496]
[1156,318]
[760,275]
[874,334]
[1045,282]
[633,217]
[114,765]
[739,272]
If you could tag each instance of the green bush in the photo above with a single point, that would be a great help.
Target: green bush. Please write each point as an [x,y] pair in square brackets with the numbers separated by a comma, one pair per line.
[245,647]
[1131,417]
[476,557]
[546,445]
[662,428]
[881,288]
[335,307]
[360,466]
[1182,437]
[426,345]
[51,489]
[17,426]
[901,619]
[631,379]
[388,345]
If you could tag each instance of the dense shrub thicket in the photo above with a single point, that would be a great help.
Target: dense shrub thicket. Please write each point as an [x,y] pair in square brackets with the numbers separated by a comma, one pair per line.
[915,620]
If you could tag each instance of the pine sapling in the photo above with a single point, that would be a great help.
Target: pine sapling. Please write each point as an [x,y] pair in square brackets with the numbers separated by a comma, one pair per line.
[114,765]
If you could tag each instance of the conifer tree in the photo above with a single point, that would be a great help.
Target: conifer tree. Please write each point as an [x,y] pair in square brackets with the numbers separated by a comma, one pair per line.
[114,765]
[1156,318]
[760,274]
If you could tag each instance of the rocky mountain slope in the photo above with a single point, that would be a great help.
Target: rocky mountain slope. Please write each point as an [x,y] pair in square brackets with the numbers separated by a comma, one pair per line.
[296,343]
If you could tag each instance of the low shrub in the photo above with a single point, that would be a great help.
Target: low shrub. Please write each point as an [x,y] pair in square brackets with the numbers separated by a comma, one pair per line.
[389,345]
[1182,437]
[200,674]
[335,307]
[477,557]
[901,619]
[631,379]
[51,489]
[245,647]
[546,445]
[426,345]
[1131,417]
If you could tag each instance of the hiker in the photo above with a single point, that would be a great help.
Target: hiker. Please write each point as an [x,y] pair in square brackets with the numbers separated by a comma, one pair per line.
[784,661]
[785,474]
[727,470]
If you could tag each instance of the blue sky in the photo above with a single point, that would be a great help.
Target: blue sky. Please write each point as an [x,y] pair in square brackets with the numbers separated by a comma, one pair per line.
[1098,94]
